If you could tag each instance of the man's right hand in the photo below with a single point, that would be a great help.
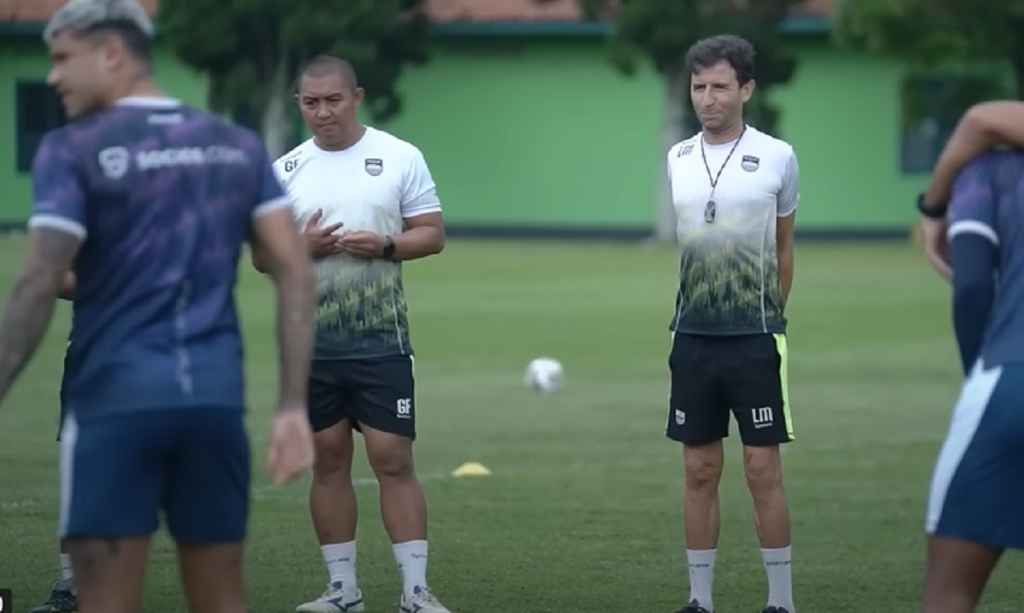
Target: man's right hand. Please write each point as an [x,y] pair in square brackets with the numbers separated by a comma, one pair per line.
[291,445]
[321,239]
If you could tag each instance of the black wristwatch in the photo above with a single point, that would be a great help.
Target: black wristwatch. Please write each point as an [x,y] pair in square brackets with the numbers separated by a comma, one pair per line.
[930,212]
[389,248]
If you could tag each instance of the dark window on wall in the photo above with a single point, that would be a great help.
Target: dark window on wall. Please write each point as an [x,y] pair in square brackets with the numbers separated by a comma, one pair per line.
[931,107]
[39,111]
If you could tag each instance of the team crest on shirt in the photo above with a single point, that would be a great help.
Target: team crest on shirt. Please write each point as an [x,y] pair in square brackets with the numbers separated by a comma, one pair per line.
[750,163]
[114,162]
[374,166]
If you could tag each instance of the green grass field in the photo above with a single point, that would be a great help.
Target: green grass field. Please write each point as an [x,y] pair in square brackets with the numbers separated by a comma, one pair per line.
[582,513]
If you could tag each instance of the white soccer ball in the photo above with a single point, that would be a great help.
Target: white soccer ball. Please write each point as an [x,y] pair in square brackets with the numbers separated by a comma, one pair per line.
[544,375]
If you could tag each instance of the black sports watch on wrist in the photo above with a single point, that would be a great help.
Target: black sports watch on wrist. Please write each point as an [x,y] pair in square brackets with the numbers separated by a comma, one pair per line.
[937,212]
[389,248]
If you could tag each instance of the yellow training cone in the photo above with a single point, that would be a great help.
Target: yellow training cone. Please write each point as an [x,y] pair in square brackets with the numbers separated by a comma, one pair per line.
[471,469]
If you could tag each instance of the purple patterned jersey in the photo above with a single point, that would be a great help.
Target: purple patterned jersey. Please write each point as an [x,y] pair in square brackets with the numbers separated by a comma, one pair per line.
[988,200]
[163,196]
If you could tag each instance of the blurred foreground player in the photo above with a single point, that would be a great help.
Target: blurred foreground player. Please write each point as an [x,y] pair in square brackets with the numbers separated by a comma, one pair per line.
[977,490]
[149,202]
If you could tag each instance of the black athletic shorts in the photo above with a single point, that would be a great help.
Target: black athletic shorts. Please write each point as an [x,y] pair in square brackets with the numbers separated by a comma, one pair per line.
[715,375]
[376,392]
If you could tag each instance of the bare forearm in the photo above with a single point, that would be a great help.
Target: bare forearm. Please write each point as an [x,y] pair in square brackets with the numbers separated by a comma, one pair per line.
[967,142]
[67,290]
[786,274]
[24,324]
[259,259]
[418,242]
[984,126]
[295,306]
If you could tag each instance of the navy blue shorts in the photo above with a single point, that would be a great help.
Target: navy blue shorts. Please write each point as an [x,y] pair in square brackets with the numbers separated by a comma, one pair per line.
[977,491]
[119,471]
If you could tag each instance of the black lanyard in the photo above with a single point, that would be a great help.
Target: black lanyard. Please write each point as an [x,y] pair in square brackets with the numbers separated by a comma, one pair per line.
[710,210]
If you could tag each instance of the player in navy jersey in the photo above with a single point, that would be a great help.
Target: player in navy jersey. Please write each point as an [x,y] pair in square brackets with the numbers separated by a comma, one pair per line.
[977,488]
[149,202]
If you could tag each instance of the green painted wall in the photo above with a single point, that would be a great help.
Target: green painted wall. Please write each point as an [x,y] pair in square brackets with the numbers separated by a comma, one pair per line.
[842,115]
[535,132]
[544,132]
[25,59]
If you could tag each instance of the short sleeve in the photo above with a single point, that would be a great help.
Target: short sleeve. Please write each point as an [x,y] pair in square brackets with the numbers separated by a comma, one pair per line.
[278,168]
[973,206]
[271,195]
[59,188]
[419,193]
[789,194]
[668,163]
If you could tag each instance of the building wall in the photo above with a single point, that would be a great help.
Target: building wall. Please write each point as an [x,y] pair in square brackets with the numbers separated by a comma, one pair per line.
[542,132]
[535,132]
[25,60]
[841,112]
[547,132]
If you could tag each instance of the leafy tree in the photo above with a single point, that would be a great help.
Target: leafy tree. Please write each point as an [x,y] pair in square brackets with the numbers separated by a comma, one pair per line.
[251,50]
[938,32]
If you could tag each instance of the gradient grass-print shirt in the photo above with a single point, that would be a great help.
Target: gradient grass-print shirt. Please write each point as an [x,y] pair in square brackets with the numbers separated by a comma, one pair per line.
[728,270]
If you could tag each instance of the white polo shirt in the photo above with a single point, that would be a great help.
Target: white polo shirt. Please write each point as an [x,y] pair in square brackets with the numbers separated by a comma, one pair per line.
[729,277]
[374,185]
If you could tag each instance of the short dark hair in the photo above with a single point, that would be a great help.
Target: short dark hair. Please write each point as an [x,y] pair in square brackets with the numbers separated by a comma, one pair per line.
[737,51]
[135,40]
[325,64]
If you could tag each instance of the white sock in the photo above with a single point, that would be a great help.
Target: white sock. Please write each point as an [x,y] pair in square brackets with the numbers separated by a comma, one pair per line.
[702,576]
[340,559]
[778,567]
[412,563]
[66,574]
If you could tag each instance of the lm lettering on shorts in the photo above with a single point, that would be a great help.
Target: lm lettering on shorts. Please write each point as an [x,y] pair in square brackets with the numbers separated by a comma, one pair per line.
[404,408]
[763,417]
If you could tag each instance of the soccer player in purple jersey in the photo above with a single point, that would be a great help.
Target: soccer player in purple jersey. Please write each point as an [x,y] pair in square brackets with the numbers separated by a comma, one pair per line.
[149,202]
[977,490]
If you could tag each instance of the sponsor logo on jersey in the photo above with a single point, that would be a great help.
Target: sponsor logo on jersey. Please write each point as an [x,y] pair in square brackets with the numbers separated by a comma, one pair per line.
[374,166]
[291,165]
[189,156]
[686,149]
[114,162]
[750,163]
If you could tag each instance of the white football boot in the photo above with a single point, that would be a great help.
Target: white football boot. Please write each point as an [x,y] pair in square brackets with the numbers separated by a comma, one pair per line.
[337,599]
[421,601]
